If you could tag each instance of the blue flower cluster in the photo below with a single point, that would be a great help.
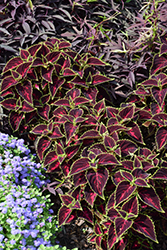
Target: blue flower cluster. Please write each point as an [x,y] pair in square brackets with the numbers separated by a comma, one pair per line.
[25,215]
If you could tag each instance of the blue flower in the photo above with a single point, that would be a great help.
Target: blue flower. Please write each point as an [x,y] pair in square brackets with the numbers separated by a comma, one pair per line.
[1,237]
[12,242]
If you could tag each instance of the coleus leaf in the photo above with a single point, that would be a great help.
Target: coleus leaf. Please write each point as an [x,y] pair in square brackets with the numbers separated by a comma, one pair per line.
[161,137]
[107,159]
[47,73]
[135,132]
[54,166]
[126,113]
[109,142]
[25,91]
[34,49]
[159,62]
[26,107]
[161,118]
[23,69]
[160,174]
[44,112]
[112,237]
[86,214]
[79,179]
[8,82]
[50,157]
[159,95]
[63,214]
[113,214]
[98,79]
[123,191]
[70,130]
[89,194]
[90,134]
[141,183]
[97,180]
[39,129]
[15,120]
[67,199]
[127,175]
[42,144]
[149,196]
[144,225]
[56,133]
[131,206]
[122,225]
[12,63]
[80,165]
[24,54]
[57,82]
[9,103]
[53,56]
[127,147]
[95,61]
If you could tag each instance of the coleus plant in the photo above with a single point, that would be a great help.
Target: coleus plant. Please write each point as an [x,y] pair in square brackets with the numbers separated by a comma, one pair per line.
[116,182]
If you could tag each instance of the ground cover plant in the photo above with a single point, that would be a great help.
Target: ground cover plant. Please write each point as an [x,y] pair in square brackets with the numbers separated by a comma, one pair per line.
[113,159]
[25,215]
